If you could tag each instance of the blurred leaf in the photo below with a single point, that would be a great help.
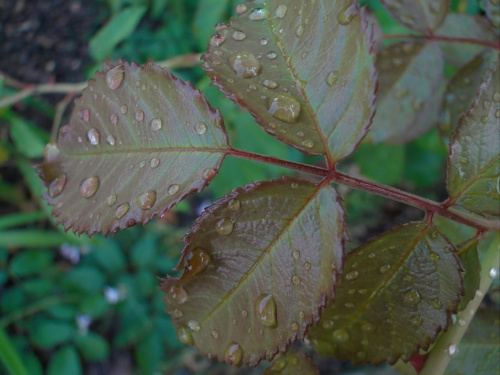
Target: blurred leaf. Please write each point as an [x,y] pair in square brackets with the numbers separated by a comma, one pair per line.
[158,7]
[127,179]
[47,334]
[143,252]
[406,99]
[479,349]
[3,278]
[382,162]
[62,312]
[317,115]
[146,283]
[396,294]
[292,363]
[474,158]
[26,138]
[19,219]
[30,262]
[9,356]
[12,299]
[118,28]
[469,258]
[108,253]
[33,364]
[94,306]
[421,15]
[83,279]
[149,353]
[169,334]
[277,269]
[38,287]
[31,238]
[93,347]
[208,13]
[65,361]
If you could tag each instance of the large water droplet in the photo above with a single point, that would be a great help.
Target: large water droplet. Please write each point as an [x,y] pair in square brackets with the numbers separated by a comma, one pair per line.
[436,304]
[224,226]
[347,14]
[172,189]
[258,14]
[200,128]
[156,124]
[57,186]
[412,297]
[233,354]
[239,35]
[93,136]
[155,162]
[353,275]
[197,261]
[245,65]
[284,108]
[281,11]
[340,335]
[193,325]
[266,310]
[146,200]
[121,210]
[416,320]
[185,336]
[234,205]
[114,77]
[332,77]
[89,186]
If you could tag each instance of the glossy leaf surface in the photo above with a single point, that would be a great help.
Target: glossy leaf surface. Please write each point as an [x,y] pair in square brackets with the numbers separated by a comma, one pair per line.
[258,267]
[302,68]
[469,258]
[419,15]
[461,92]
[138,142]
[479,349]
[292,363]
[394,297]
[464,26]
[407,91]
[474,160]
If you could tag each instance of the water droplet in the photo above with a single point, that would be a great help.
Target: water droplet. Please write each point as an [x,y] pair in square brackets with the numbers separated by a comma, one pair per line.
[484,119]
[224,226]
[156,124]
[368,327]
[332,77]
[121,210]
[193,325]
[452,350]
[217,40]
[112,200]
[494,273]
[266,310]
[302,315]
[416,320]
[139,115]
[346,15]
[340,335]
[244,313]
[185,336]
[296,280]
[284,108]
[296,254]
[436,304]
[299,31]
[57,186]
[294,326]
[89,186]
[123,109]
[258,14]
[233,354]
[208,174]
[270,84]
[496,97]
[239,35]
[93,136]
[245,65]
[412,297]
[172,189]
[215,335]
[177,313]
[353,275]
[85,115]
[113,118]
[307,266]
[110,140]
[434,257]
[146,200]
[271,55]
[240,9]
[155,162]
[279,364]
[197,261]
[281,11]
[200,128]
[385,268]
[263,41]
[294,185]
[234,205]
[114,77]
[178,294]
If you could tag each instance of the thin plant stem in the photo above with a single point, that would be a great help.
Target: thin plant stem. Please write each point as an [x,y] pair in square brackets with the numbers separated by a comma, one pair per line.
[440,38]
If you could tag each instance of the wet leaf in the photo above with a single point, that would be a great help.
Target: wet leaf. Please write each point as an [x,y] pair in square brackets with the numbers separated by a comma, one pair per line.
[491,7]
[303,69]
[139,141]
[258,267]
[395,295]
[419,15]
[473,180]
[292,363]
[479,349]
[407,91]
[469,258]
[464,26]
[462,90]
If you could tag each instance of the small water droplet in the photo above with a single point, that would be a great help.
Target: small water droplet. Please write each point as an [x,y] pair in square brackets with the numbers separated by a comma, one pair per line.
[185,336]
[368,327]
[193,325]
[302,315]
[224,226]
[332,78]
[452,350]
[239,35]
[85,115]
[385,268]
[123,109]
[57,186]
[296,254]
[436,304]
[114,77]
[89,186]
[178,294]
[216,41]
[172,189]
[271,55]
[233,354]
[240,9]
[121,210]
[245,65]
[296,280]
[281,11]
[294,326]
[270,84]
[278,365]
[494,273]
[146,200]
[177,313]
[294,185]
[208,174]
[200,128]
[156,124]
[113,118]
[139,115]
[234,205]
[93,136]
[416,320]
[110,140]
[307,266]
[412,297]
[347,14]
[341,335]
[284,108]
[215,335]
[353,275]
[496,97]
[263,41]
[258,14]
[244,313]
[155,162]
[112,200]
[197,261]
[266,310]
[434,257]
[299,31]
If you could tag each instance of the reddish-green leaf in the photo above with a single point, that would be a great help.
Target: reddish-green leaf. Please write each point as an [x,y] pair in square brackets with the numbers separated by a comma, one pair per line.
[474,160]
[464,26]
[408,89]
[292,363]
[258,267]
[462,90]
[469,258]
[419,15]
[139,141]
[304,69]
[395,295]
[492,9]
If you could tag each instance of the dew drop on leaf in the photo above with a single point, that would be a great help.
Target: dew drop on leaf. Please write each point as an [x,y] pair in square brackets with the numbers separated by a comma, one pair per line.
[155,162]
[93,136]
[368,327]
[436,304]
[245,65]
[341,335]
[233,354]
[193,325]
[494,273]
[271,55]
[416,320]
[139,115]
[263,41]
[156,124]
[172,189]
[146,200]
[114,77]
[307,143]
[239,35]
[208,174]
[296,254]
[197,261]
[224,226]
[266,310]
[234,205]
[121,210]
[353,275]
[281,11]
[412,297]
[110,140]
[270,84]
[185,336]
[57,186]
[332,77]
[294,326]
[178,294]
[240,9]
[215,335]
[307,266]
[284,108]
[89,186]
[385,268]
[347,14]
[258,14]
[113,118]
[124,109]
[299,31]
[85,115]
[200,128]
[112,200]
[296,280]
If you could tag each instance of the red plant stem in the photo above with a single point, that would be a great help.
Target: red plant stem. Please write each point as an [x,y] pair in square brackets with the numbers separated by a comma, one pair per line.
[426,205]
[440,38]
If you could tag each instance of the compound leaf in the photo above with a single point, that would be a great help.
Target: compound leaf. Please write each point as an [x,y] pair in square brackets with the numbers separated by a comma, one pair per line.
[258,267]
[304,70]
[473,179]
[139,141]
[419,15]
[462,90]
[407,91]
[396,294]
[292,363]
[464,26]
